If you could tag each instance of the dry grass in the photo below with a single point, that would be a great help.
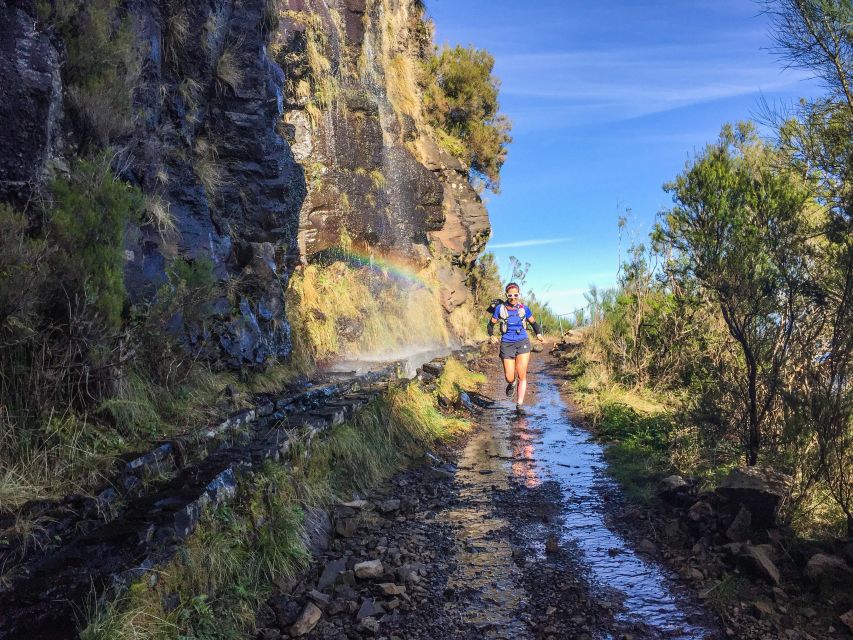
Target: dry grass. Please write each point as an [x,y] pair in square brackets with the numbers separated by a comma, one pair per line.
[63,454]
[352,311]
[230,563]
[105,113]
[322,87]
[69,455]
[162,176]
[189,90]
[401,70]
[229,74]
[468,323]
[158,214]
[402,86]
[315,114]
[207,167]
[457,377]
[177,32]
[378,178]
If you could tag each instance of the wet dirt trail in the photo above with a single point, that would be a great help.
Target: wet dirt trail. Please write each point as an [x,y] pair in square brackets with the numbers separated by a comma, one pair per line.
[510,542]
[536,557]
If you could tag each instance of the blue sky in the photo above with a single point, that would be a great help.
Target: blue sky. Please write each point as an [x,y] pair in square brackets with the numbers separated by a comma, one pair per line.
[608,100]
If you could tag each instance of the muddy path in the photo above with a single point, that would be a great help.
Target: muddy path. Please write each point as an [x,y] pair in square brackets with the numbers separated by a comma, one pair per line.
[510,542]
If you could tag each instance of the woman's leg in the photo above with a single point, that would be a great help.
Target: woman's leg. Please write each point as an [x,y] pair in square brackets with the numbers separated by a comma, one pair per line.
[509,369]
[521,361]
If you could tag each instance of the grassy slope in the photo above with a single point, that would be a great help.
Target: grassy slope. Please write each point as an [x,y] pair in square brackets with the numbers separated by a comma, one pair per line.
[227,569]
[647,433]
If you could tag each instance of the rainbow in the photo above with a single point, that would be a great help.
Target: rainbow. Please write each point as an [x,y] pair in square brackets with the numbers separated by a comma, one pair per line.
[396,268]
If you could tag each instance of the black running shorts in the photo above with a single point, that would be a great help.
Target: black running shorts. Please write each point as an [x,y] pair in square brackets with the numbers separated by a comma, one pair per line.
[509,350]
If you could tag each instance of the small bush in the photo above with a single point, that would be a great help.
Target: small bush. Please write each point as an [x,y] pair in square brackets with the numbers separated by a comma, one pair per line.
[87,221]
[23,272]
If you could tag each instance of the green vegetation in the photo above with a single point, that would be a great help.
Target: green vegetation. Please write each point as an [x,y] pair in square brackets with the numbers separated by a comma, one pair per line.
[87,221]
[461,102]
[739,318]
[740,230]
[486,285]
[485,280]
[455,378]
[240,550]
[61,306]
[101,68]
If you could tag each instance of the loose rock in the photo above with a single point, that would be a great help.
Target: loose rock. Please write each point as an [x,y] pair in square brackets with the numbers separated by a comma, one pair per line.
[330,573]
[369,607]
[307,621]
[369,570]
[847,620]
[740,527]
[756,558]
[391,589]
[826,569]
[759,490]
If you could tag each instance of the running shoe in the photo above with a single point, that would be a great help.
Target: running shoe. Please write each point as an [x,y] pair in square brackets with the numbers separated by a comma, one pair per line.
[510,388]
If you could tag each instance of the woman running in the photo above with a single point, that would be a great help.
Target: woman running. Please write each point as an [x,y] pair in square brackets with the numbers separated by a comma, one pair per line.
[515,344]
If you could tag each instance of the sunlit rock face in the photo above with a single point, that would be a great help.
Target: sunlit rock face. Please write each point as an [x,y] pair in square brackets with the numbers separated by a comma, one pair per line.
[373,169]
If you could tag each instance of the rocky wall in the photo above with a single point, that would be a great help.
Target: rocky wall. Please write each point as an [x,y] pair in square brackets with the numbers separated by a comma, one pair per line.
[261,133]
[373,167]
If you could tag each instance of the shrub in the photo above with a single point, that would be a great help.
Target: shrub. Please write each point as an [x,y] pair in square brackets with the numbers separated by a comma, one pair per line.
[485,280]
[101,68]
[461,100]
[22,273]
[87,221]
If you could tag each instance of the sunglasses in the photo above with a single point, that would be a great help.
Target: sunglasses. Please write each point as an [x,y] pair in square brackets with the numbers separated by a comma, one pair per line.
[513,295]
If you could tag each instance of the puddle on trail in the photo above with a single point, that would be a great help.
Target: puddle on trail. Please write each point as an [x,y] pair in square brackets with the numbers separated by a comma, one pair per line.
[543,445]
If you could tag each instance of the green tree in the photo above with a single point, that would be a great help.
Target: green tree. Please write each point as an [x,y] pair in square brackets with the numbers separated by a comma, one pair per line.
[461,100]
[816,35]
[738,228]
[485,280]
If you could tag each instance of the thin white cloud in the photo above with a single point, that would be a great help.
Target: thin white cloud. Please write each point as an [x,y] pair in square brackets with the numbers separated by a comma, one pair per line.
[527,243]
[550,89]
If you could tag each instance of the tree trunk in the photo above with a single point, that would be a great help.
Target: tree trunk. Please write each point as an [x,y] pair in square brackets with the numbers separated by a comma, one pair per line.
[754,434]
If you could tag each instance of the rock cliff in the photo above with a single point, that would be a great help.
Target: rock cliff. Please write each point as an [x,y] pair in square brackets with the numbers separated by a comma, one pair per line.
[260,133]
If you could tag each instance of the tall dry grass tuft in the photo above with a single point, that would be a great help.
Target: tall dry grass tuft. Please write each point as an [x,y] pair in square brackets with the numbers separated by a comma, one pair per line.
[158,214]
[229,73]
[207,167]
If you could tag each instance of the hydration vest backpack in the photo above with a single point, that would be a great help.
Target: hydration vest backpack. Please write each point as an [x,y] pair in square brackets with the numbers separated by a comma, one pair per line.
[503,314]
